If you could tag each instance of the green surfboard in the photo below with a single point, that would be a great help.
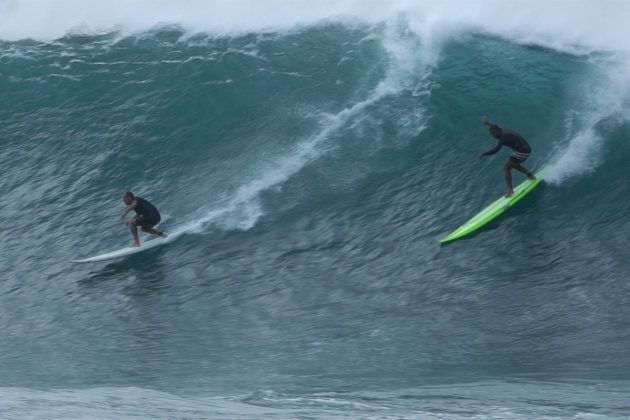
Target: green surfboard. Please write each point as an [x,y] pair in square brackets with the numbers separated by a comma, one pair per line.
[497,208]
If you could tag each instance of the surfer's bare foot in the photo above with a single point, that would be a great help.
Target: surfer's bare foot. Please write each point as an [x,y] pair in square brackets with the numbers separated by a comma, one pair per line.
[163,235]
[510,193]
[531,177]
[135,244]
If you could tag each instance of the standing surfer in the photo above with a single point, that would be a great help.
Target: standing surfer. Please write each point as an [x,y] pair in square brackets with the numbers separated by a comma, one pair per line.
[520,153]
[147,216]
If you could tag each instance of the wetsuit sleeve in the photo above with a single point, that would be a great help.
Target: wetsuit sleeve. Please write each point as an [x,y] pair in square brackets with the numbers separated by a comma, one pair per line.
[496,148]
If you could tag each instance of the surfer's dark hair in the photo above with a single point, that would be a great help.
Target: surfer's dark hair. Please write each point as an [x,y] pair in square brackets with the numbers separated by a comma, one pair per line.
[129,194]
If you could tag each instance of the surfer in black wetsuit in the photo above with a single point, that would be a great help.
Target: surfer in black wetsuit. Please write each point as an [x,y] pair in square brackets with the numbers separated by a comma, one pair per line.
[520,152]
[147,216]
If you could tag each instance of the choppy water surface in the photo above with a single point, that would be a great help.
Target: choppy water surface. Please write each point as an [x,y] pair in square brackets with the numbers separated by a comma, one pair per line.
[306,170]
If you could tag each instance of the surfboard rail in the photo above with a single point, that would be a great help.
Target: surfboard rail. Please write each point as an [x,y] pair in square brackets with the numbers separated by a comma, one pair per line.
[123,252]
[496,208]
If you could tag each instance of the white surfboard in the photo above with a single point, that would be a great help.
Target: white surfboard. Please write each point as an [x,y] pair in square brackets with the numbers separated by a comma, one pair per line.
[123,252]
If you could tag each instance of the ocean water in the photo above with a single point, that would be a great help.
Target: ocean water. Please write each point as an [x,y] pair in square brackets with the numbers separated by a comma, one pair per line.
[306,158]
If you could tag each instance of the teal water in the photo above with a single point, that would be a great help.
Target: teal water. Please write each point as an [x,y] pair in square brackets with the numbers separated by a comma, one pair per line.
[306,177]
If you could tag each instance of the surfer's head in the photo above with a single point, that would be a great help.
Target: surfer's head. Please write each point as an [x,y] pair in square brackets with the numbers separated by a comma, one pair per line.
[127,197]
[495,131]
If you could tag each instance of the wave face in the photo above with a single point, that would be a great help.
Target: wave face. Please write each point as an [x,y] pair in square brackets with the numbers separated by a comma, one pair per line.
[306,159]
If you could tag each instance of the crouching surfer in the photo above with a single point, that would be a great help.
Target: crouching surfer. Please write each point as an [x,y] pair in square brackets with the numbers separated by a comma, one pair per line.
[147,217]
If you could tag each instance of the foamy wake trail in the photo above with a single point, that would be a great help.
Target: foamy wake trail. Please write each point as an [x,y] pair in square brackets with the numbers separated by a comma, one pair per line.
[606,97]
[245,208]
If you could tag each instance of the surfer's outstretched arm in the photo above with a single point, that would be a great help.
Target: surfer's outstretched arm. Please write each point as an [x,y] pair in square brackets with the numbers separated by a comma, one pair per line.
[492,151]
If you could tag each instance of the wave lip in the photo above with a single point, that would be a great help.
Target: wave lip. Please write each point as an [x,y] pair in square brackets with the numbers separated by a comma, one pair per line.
[587,25]
[42,20]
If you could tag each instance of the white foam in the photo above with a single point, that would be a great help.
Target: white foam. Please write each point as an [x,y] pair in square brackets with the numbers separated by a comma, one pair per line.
[607,97]
[581,156]
[46,20]
[590,24]
[571,26]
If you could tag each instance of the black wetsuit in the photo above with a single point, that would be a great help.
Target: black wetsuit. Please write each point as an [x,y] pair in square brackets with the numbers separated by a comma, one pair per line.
[514,141]
[146,213]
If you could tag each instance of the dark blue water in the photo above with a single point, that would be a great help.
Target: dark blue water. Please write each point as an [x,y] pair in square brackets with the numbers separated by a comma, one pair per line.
[306,177]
